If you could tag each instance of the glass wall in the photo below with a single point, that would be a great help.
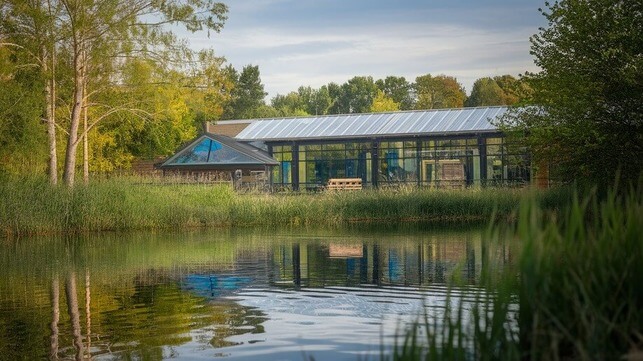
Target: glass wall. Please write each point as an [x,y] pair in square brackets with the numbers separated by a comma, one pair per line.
[507,164]
[450,163]
[320,162]
[282,174]
[398,162]
[428,162]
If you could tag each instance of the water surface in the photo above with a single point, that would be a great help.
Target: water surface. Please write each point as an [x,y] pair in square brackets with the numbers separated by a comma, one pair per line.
[234,295]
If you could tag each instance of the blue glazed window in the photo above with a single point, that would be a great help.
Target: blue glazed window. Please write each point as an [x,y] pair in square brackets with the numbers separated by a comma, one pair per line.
[209,151]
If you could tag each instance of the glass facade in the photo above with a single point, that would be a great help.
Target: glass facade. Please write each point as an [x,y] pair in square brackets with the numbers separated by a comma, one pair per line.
[427,162]
[318,163]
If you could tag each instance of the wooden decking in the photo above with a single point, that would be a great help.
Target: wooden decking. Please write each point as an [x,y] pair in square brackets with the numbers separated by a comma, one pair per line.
[344,184]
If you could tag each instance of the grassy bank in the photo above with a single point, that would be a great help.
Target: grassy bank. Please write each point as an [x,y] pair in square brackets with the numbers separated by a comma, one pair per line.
[578,292]
[31,206]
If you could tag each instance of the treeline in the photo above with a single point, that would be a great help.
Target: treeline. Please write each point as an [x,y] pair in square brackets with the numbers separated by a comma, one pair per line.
[87,86]
[362,94]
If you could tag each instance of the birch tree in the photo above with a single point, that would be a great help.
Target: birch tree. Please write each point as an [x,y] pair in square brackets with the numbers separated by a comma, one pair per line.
[104,31]
[31,28]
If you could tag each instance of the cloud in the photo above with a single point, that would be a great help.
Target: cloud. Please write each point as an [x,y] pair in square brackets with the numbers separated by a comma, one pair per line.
[295,48]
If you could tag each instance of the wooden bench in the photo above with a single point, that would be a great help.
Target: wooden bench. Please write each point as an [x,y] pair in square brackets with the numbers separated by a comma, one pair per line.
[344,184]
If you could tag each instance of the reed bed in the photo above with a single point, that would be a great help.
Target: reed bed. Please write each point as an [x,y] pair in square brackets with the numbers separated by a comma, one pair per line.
[31,206]
[575,293]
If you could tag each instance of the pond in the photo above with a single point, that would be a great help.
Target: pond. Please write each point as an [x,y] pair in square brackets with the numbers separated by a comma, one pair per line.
[230,294]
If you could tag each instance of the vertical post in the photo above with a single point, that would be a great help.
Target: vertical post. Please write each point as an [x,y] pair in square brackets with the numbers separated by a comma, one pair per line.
[375,162]
[482,150]
[295,167]
[270,172]
[418,161]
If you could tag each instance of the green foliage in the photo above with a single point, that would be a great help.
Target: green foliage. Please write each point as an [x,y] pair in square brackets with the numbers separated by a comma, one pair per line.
[580,291]
[316,101]
[398,89]
[247,93]
[291,104]
[499,90]
[354,96]
[125,46]
[588,122]
[485,92]
[438,92]
[383,103]
[23,145]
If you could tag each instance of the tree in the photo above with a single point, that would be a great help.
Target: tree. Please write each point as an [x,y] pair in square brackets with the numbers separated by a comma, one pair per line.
[589,94]
[398,89]
[383,103]
[499,90]
[171,106]
[316,101]
[105,30]
[355,96]
[515,90]
[22,140]
[92,39]
[485,92]
[437,92]
[291,104]
[30,28]
[247,94]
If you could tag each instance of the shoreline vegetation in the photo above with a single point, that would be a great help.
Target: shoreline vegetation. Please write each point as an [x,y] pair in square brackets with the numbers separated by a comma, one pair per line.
[577,296]
[30,206]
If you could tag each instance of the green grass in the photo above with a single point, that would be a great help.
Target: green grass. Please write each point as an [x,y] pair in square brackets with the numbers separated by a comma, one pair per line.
[31,206]
[578,285]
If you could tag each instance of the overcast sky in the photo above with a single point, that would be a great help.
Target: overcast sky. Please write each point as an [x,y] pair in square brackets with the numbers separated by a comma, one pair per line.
[306,42]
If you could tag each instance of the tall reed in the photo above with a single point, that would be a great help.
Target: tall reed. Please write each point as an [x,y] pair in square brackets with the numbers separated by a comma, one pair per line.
[31,206]
[581,294]
[579,290]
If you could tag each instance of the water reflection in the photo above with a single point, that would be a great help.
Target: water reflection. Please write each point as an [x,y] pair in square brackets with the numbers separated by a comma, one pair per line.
[233,294]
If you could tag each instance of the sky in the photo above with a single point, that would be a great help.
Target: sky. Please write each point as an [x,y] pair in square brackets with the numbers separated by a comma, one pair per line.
[312,43]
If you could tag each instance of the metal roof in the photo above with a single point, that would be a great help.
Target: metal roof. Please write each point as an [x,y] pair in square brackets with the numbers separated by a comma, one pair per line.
[390,124]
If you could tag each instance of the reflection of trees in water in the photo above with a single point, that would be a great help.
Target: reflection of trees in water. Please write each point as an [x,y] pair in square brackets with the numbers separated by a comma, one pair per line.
[74,315]
[55,318]
[88,313]
[232,319]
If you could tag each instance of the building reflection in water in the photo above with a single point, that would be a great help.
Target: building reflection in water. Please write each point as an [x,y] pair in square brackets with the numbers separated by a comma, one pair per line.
[419,263]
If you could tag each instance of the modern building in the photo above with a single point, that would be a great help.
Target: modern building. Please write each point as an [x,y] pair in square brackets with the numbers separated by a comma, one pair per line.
[431,148]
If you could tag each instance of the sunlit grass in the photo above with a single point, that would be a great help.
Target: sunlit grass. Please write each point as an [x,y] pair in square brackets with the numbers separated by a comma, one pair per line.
[31,206]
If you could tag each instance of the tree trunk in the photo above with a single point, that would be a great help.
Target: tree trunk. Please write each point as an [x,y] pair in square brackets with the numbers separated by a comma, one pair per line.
[74,315]
[55,318]
[85,144]
[72,140]
[50,101]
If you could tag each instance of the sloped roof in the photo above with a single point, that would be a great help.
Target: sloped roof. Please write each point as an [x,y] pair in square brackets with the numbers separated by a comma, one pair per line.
[389,124]
[218,150]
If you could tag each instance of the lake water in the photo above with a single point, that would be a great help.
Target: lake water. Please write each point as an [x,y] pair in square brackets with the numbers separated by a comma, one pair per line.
[233,295]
